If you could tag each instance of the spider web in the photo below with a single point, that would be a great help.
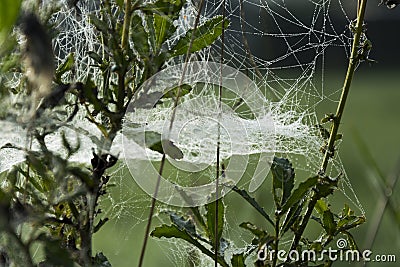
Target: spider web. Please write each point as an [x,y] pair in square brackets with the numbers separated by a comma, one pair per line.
[283,46]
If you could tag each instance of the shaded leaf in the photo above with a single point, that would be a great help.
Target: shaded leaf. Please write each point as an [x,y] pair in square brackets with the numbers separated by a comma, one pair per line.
[99,24]
[55,254]
[139,36]
[238,260]
[259,233]
[65,66]
[282,178]
[328,222]
[253,203]
[300,192]
[172,231]
[174,92]
[101,261]
[163,29]
[170,8]
[167,147]
[204,36]
[211,209]
[293,216]
[183,223]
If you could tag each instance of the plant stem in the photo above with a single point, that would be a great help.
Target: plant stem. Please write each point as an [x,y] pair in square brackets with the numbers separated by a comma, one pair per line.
[275,259]
[160,171]
[216,249]
[353,62]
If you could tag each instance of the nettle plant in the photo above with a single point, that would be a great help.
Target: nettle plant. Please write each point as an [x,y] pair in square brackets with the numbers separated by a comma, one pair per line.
[48,200]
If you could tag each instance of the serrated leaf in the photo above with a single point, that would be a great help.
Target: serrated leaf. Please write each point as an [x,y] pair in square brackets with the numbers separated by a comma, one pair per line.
[300,192]
[253,203]
[163,29]
[66,65]
[211,216]
[326,187]
[328,222]
[204,36]
[282,178]
[238,260]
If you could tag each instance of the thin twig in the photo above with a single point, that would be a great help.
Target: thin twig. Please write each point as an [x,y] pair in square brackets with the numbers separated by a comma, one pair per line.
[353,62]
[222,54]
[381,207]
[160,171]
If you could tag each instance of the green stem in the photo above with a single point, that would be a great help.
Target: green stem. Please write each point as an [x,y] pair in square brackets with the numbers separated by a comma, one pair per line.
[275,259]
[353,62]
[127,20]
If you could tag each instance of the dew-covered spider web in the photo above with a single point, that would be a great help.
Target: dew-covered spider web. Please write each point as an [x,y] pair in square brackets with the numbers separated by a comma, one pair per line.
[284,47]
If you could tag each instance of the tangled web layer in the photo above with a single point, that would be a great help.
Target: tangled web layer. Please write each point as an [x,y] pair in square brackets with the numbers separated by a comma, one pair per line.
[281,45]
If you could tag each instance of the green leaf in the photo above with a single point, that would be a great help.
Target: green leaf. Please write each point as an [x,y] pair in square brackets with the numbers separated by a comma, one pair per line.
[259,233]
[55,254]
[323,132]
[183,223]
[65,66]
[238,260]
[253,203]
[321,206]
[96,57]
[120,3]
[100,25]
[165,146]
[174,92]
[351,242]
[139,36]
[282,178]
[204,36]
[300,192]
[163,29]
[9,10]
[172,231]
[101,261]
[211,209]
[293,216]
[170,8]
[328,222]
